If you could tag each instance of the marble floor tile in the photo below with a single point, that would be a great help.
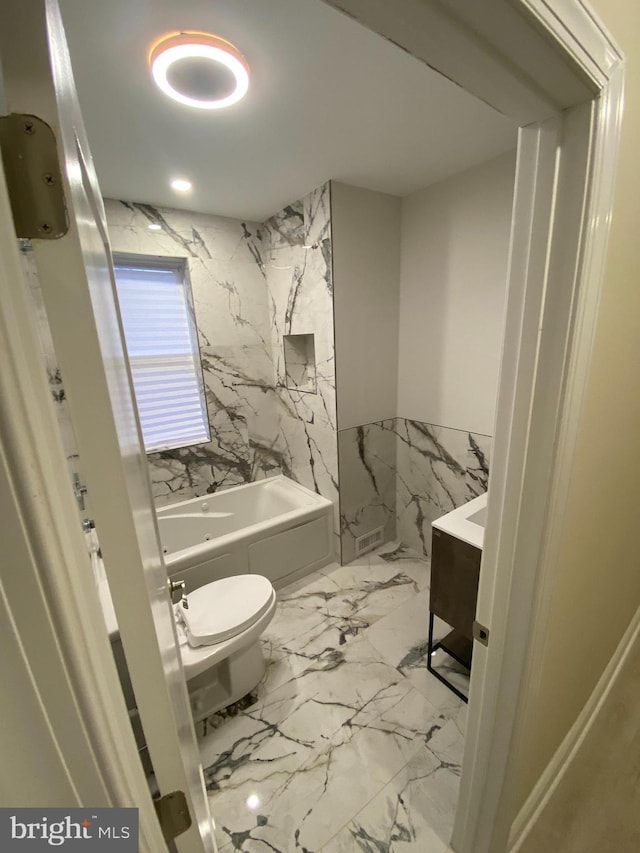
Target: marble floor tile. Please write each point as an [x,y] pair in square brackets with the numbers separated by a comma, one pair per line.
[345,745]
[338,603]
[414,811]
[305,804]
[401,639]
[373,589]
[415,565]
[303,808]
[325,693]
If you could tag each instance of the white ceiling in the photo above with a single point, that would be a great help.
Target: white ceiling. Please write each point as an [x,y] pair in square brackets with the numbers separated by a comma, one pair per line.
[328,99]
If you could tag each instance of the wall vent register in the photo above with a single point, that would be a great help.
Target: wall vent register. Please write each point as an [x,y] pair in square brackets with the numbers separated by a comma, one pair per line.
[369,541]
[162,344]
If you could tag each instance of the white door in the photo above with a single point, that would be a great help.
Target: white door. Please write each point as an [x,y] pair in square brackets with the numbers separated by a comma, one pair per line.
[76,277]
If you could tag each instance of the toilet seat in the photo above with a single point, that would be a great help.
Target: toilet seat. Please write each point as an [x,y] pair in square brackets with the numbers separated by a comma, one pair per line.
[224,608]
[198,659]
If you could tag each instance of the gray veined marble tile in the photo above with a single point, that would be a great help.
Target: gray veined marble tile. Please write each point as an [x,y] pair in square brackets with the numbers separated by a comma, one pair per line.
[230,303]
[317,214]
[182,233]
[251,284]
[284,749]
[392,554]
[477,474]
[201,469]
[332,782]
[314,620]
[417,807]
[238,377]
[338,603]
[373,589]
[401,475]
[54,377]
[336,748]
[297,809]
[321,693]
[339,680]
[287,227]
[413,812]
[316,409]
[401,640]
[298,271]
[411,562]
[438,470]
[290,795]
[367,463]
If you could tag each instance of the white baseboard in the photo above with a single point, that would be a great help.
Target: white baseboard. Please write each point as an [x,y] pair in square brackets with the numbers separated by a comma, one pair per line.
[564,755]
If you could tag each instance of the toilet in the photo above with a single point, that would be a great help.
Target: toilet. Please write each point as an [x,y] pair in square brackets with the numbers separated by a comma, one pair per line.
[219,633]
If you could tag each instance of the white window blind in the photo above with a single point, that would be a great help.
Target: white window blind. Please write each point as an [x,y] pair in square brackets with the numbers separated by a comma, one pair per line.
[161,338]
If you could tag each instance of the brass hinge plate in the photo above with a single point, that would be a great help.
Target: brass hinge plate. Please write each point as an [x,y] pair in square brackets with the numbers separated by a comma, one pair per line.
[34,181]
[480,633]
[173,814]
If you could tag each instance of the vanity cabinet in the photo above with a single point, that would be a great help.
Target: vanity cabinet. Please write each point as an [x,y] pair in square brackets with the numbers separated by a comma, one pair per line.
[455,571]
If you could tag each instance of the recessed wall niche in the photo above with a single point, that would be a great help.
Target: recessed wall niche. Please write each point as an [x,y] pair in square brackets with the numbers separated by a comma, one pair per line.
[300,363]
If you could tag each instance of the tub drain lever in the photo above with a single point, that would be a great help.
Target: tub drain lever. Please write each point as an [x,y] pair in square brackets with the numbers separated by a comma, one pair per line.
[177,593]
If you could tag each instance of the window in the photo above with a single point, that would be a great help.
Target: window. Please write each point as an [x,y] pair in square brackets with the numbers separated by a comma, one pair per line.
[162,344]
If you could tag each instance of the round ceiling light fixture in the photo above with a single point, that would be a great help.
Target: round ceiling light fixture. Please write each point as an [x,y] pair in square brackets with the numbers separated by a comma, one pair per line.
[199,70]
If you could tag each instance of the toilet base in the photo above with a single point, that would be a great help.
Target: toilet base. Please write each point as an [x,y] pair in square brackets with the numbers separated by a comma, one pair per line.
[226,682]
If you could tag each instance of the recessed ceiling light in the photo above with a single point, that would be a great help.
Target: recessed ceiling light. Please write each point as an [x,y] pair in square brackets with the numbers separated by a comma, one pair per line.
[200,70]
[181,185]
[155,227]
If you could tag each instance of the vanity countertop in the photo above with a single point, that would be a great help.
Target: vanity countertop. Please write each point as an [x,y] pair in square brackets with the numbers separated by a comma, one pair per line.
[466,522]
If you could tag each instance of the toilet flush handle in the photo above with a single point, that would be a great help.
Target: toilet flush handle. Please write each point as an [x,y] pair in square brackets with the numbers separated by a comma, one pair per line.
[177,593]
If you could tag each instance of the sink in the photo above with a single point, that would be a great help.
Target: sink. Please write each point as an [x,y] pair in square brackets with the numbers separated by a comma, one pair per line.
[466,522]
[478,517]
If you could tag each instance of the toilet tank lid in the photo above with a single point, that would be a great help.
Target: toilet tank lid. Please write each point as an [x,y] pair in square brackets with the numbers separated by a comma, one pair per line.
[222,609]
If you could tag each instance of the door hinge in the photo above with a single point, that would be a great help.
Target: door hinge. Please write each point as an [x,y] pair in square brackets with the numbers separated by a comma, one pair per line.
[480,633]
[173,814]
[34,181]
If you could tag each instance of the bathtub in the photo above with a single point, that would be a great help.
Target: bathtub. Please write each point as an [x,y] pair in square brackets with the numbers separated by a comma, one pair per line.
[274,527]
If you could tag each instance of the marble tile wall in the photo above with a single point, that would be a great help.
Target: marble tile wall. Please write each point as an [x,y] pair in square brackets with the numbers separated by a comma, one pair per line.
[438,469]
[403,474]
[224,258]
[252,283]
[54,376]
[367,456]
[298,270]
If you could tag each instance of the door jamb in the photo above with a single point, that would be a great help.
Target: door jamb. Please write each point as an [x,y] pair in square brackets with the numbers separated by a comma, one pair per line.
[514,603]
[486,812]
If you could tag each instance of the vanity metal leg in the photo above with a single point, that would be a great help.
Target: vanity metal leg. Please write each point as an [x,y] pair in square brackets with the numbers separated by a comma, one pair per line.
[431,648]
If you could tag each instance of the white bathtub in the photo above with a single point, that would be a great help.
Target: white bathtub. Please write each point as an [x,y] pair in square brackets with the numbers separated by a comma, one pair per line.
[273,527]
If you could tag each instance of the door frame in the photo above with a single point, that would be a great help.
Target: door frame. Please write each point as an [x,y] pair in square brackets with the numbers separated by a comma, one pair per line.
[514,55]
[78,290]
[554,68]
